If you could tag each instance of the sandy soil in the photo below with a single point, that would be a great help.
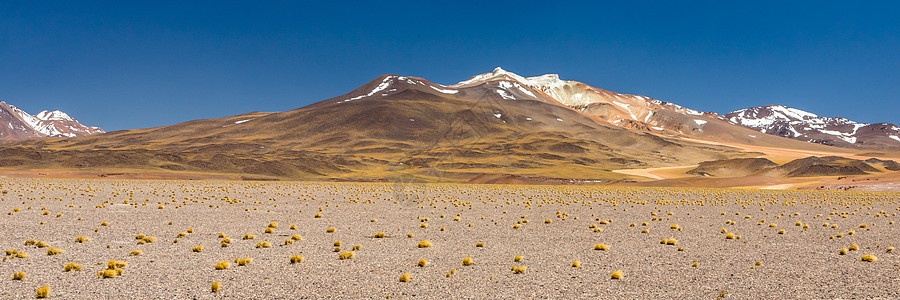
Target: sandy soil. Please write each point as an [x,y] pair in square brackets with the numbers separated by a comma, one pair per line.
[803,262]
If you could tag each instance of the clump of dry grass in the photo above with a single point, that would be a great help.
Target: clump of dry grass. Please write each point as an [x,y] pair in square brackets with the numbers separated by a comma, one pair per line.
[273,225]
[113,269]
[330,230]
[82,239]
[357,247]
[729,236]
[54,251]
[42,244]
[296,259]
[264,244]
[869,258]
[422,263]
[843,251]
[405,277]
[270,230]
[617,274]
[853,247]
[337,243]
[518,258]
[297,237]
[424,244]
[379,235]
[889,249]
[43,292]
[72,267]
[249,236]
[601,247]
[519,270]
[216,287]
[19,276]
[243,261]
[468,261]
[222,265]
[199,248]
[347,255]
[479,244]
[576,264]
[225,242]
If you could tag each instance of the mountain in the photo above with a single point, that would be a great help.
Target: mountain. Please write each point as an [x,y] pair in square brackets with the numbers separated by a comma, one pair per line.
[392,127]
[805,126]
[16,124]
[640,113]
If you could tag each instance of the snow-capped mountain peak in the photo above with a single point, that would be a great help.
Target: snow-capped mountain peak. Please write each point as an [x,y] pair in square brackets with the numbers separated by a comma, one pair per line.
[806,126]
[55,115]
[16,124]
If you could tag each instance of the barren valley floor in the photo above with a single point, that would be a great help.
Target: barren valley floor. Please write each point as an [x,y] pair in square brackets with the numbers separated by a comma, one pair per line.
[670,243]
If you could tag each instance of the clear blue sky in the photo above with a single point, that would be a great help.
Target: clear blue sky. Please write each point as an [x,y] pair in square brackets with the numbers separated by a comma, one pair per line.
[129,64]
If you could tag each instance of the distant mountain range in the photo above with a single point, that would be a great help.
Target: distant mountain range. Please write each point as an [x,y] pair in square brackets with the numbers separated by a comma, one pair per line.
[493,124]
[800,125]
[16,124]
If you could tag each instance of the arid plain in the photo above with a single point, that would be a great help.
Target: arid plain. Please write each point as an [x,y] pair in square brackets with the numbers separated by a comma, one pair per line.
[523,241]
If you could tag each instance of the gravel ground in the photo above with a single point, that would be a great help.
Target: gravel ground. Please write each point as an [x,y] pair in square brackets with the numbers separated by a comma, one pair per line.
[802,263]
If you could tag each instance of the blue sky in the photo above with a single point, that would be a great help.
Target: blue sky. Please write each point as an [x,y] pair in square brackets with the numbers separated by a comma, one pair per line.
[129,64]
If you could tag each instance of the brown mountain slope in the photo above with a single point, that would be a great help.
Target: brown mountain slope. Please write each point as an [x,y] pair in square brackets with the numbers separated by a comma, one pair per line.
[392,126]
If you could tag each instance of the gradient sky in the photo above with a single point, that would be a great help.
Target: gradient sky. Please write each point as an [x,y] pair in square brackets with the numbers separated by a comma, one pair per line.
[128,64]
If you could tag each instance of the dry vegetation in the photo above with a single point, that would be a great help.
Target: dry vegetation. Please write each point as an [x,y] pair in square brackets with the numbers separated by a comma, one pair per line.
[483,241]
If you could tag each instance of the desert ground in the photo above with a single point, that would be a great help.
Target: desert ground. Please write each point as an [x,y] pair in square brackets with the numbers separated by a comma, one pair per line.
[523,241]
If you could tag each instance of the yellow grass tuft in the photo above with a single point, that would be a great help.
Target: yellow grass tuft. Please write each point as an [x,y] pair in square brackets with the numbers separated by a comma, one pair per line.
[18,276]
[270,230]
[357,247]
[54,251]
[296,259]
[273,225]
[601,247]
[379,235]
[424,244]
[729,236]
[72,267]
[330,230]
[843,251]
[422,263]
[249,236]
[869,258]
[519,270]
[853,247]
[82,239]
[216,287]
[109,273]
[197,249]
[576,264]
[243,261]
[264,244]
[468,261]
[222,265]
[518,258]
[889,249]
[617,274]
[479,244]
[297,237]
[347,255]
[42,244]
[43,292]
[405,277]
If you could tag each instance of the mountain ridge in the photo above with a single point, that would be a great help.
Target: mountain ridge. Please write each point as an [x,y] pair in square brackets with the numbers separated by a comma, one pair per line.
[16,124]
